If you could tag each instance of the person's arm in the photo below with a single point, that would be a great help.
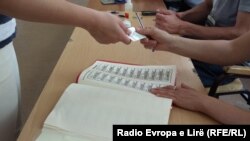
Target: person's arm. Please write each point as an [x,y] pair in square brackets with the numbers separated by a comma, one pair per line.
[198,13]
[220,52]
[104,27]
[195,15]
[190,99]
[172,24]
[195,31]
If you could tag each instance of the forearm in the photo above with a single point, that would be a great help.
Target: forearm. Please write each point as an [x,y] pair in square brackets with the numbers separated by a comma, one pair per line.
[196,14]
[49,11]
[203,32]
[215,52]
[223,112]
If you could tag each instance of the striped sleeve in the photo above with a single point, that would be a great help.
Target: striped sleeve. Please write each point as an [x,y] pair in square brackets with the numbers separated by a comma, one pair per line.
[7,30]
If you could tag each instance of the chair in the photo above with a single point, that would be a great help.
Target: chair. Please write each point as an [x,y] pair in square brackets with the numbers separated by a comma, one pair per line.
[235,87]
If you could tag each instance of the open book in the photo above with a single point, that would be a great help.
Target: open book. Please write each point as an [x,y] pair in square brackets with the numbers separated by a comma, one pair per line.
[133,77]
[108,94]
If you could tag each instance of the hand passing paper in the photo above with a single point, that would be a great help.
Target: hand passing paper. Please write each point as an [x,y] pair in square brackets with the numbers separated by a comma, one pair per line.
[135,36]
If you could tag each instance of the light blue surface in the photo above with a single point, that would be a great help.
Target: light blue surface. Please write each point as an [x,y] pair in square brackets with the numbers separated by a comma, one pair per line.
[193,3]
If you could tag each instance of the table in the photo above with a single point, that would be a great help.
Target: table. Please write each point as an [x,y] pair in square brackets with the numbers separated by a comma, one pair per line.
[82,51]
[138,5]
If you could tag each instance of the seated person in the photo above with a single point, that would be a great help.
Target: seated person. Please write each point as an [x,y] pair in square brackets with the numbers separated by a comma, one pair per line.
[224,20]
[222,52]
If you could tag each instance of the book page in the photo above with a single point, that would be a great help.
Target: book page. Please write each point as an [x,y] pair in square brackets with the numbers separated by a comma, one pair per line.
[50,134]
[135,77]
[90,112]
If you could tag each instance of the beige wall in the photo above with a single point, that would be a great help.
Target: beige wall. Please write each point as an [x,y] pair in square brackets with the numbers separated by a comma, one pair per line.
[38,47]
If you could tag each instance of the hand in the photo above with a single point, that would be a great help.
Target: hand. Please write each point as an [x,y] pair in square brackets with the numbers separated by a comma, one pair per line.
[158,39]
[108,28]
[182,96]
[165,11]
[169,22]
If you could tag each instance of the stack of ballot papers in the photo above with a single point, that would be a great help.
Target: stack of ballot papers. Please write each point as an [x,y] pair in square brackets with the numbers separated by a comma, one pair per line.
[87,112]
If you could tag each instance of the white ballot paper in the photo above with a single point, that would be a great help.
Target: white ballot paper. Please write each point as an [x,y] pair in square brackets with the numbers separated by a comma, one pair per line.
[88,113]
[135,36]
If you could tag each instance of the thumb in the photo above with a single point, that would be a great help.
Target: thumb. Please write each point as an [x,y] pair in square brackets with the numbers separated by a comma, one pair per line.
[185,86]
[145,31]
[125,39]
[160,17]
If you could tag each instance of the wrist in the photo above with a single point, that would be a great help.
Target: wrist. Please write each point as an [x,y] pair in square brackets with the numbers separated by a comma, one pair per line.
[172,43]
[89,20]
[183,28]
[205,104]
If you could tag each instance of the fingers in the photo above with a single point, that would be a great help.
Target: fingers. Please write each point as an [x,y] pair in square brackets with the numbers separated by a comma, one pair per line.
[124,27]
[169,88]
[163,93]
[124,34]
[160,17]
[125,40]
[164,11]
[148,43]
[160,21]
[112,30]
[165,89]
[148,31]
